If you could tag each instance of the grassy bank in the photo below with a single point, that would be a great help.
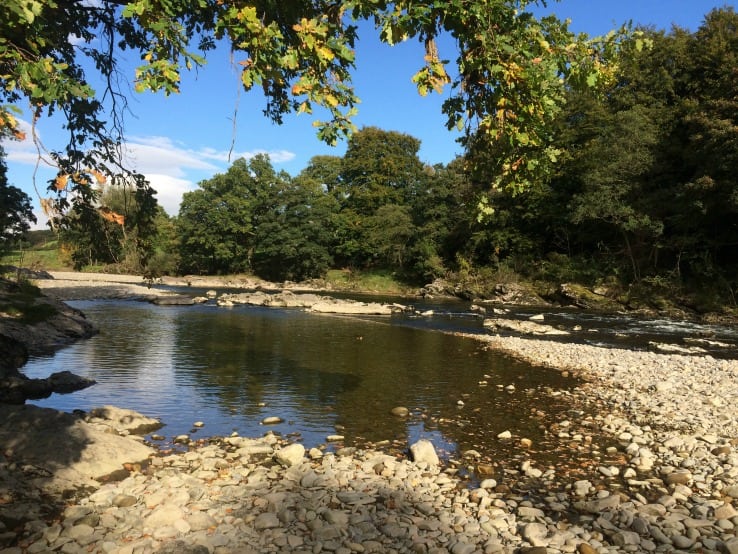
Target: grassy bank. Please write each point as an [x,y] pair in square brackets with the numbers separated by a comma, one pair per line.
[380,282]
[40,251]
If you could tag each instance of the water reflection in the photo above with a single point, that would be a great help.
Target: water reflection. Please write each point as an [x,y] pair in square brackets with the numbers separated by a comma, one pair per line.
[321,374]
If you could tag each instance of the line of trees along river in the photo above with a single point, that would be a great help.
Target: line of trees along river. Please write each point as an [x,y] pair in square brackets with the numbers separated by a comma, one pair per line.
[645,192]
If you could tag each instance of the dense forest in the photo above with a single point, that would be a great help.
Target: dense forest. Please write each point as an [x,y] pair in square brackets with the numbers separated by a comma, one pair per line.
[645,194]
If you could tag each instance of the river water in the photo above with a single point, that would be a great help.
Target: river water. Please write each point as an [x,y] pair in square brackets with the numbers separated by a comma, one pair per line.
[332,375]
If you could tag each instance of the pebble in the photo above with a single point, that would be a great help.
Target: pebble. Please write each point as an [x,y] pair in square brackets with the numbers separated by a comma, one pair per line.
[669,485]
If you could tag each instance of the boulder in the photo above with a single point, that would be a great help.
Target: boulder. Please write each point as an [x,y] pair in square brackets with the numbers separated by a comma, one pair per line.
[173,300]
[16,388]
[123,421]
[351,308]
[15,354]
[61,326]
[66,452]
[312,302]
[439,287]
[598,298]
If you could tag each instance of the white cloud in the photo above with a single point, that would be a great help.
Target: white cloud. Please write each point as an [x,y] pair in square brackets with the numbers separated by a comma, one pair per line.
[276,156]
[154,153]
[167,165]
[171,167]
[25,151]
[160,155]
[169,191]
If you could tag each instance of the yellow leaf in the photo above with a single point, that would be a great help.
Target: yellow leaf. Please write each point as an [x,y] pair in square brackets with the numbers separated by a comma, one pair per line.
[80,179]
[47,206]
[325,53]
[99,177]
[61,182]
[109,215]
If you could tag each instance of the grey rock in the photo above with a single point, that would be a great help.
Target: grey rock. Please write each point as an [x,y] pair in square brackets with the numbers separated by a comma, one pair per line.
[731,546]
[120,419]
[162,516]
[266,520]
[599,505]
[626,538]
[535,533]
[200,521]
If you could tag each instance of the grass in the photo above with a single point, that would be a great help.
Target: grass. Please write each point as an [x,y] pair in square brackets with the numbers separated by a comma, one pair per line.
[44,256]
[18,300]
[381,282]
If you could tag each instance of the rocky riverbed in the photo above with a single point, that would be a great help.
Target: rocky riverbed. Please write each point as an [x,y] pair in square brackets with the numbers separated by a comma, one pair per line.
[666,481]
[670,483]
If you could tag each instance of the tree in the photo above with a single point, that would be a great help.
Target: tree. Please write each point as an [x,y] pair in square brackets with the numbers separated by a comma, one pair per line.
[380,169]
[511,70]
[324,171]
[293,238]
[389,234]
[216,222]
[165,247]
[710,125]
[118,228]
[15,209]
[618,168]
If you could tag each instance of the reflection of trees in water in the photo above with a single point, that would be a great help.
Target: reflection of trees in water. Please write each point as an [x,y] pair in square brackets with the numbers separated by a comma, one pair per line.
[246,357]
[135,343]
[321,371]
[356,369]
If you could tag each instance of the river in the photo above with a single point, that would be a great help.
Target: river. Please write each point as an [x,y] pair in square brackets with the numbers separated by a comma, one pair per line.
[332,375]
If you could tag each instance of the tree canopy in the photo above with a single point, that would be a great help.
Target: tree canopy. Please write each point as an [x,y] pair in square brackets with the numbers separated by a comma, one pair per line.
[644,192]
[507,77]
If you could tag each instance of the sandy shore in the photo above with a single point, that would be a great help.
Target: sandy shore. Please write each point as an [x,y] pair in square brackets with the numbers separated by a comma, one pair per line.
[670,483]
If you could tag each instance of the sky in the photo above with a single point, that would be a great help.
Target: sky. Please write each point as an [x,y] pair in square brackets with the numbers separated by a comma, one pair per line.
[180,140]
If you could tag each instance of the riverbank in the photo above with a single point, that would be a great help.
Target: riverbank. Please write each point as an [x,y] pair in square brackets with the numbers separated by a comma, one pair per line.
[668,483]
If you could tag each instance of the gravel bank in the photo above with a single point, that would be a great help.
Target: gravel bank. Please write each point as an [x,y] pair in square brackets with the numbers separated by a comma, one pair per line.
[69,285]
[72,285]
[670,484]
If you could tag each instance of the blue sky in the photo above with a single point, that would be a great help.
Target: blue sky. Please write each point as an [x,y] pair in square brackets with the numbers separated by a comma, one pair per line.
[180,140]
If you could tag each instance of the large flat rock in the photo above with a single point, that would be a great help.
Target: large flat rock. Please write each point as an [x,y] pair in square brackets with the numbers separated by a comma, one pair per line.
[66,452]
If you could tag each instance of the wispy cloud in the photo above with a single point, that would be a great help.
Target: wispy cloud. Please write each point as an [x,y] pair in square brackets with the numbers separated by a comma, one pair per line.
[161,155]
[171,167]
